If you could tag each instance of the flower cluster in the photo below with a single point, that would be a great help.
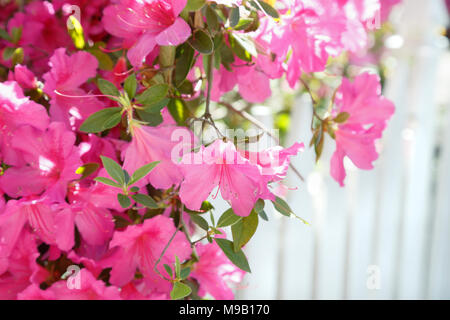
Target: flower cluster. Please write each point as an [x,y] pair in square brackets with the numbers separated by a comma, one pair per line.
[101,170]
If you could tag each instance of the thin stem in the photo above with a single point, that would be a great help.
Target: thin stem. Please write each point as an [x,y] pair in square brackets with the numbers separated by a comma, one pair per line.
[261,126]
[186,232]
[209,77]
[155,268]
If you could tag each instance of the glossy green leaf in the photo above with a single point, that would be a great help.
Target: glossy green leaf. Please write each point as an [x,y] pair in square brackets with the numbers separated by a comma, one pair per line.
[168,270]
[201,42]
[234,17]
[145,200]
[194,5]
[108,182]
[180,291]
[184,63]
[142,172]
[185,273]
[282,207]
[130,86]
[200,221]
[237,258]
[179,111]
[228,218]
[244,230]
[102,120]
[266,8]
[153,95]
[124,201]
[108,88]
[114,169]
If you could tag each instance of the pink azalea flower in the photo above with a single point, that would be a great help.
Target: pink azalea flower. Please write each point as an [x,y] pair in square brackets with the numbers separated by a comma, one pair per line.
[214,272]
[90,289]
[51,161]
[17,110]
[34,212]
[42,32]
[312,31]
[369,111]
[69,103]
[20,269]
[220,165]
[151,144]
[146,24]
[24,77]
[140,246]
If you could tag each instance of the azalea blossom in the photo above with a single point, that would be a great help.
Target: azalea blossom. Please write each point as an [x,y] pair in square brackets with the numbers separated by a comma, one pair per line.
[215,272]
[140,246]
[369,112]
[17,110]
[145,24]
[221,165]
[50,160]
[69,103]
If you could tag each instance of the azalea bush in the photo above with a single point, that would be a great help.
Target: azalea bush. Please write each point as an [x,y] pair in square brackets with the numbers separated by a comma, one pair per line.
[113,152]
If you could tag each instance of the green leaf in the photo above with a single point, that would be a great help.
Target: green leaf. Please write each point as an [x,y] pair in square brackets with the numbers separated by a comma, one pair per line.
[266,8]
[263,215]
[108,182]
[152,119]
[124,201]
[8,53]
[130,86]
[18,56]
[102,120]
[168,269]
[180,291]
[243,24]
[237,258]
[134,189]
[211,18]
[114,169]
[228,218]
[198,220]
[259,205]
[4,35]
[234,17]
[142,172]
[127,177]
[185,273]
[245,42]
[282,207]
[194,5]
[87,169]
[153,95]
[16,34]
[145,200]
[177,267]
[108,88]
[342,117]
[201,42]
[244,230]
[178,110]
[184,63]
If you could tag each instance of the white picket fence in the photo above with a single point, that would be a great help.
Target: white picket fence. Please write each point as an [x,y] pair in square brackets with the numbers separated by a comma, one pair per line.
[386,235]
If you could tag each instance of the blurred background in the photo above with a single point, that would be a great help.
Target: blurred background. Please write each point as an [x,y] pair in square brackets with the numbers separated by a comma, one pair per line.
[386,235]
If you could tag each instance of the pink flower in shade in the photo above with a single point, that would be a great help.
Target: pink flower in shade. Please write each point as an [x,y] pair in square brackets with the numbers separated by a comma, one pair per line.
[145,24]
[51,161]
[369,112]
[17,110]
[140,246]
[214,272]
[42,32]
[24,77]
[69,103]
[20,269]
[220,165]
[38,214]
[151,144]
[90,289]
